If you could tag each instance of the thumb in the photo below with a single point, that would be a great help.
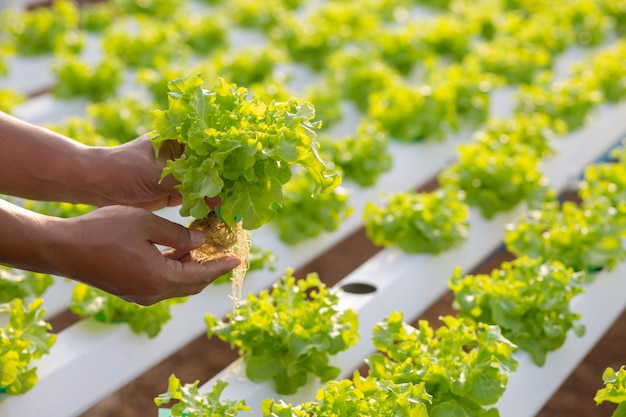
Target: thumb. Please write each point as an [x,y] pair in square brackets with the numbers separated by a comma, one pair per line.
[175,236]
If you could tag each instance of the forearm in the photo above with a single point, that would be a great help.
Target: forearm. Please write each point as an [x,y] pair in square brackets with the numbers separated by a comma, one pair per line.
[39,164]
[112,248]
[24,237]
[42,165]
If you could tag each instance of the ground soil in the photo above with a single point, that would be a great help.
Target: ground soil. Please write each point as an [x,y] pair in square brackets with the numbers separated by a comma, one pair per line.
[574,398]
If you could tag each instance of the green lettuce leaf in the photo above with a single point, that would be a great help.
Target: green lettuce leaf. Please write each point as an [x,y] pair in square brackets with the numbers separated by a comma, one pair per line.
[238,148]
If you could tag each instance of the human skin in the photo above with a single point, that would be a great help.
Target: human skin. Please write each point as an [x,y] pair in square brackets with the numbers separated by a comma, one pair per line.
[114,247]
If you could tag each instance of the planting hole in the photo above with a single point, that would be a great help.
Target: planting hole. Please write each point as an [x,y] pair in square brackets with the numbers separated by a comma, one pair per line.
[358,288]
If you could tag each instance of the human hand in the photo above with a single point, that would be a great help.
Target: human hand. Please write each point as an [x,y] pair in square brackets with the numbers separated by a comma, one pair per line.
[130,174]
[114,248]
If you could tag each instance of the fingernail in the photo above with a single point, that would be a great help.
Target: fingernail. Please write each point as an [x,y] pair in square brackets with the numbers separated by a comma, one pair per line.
[197,237]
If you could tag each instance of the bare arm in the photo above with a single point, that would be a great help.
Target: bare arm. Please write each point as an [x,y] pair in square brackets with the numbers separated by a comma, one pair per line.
[112,248]
[36,162]
[42,165]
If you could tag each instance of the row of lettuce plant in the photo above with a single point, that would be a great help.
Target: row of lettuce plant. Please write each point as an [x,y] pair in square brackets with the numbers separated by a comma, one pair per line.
[501,167]
[459,369]
[468,396]
[537,324]
[439,107]
[525,304]
[154,45]
[559,248]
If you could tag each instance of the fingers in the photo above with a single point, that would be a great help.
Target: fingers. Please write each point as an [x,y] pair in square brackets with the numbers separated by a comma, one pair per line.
[186,278]
[194,277]
[190,277]
[180,238]
[215,268]
[170,149]
[214,201]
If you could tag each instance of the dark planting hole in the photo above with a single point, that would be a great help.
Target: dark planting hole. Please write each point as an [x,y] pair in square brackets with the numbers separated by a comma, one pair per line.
[358,288]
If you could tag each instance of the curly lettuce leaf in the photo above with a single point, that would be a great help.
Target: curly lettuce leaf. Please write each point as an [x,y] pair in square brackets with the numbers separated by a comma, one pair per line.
[238,148]
[191,403]
[289,333]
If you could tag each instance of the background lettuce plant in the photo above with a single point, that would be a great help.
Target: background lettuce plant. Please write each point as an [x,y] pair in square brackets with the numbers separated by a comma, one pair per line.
[426,222]
[581,237]
[303,216]
[362,157]
[87,301]
[614,390]
[361,396]
[25,337]
[494,176]
[288,333]
[528,298]
[462,364]
[191,403]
